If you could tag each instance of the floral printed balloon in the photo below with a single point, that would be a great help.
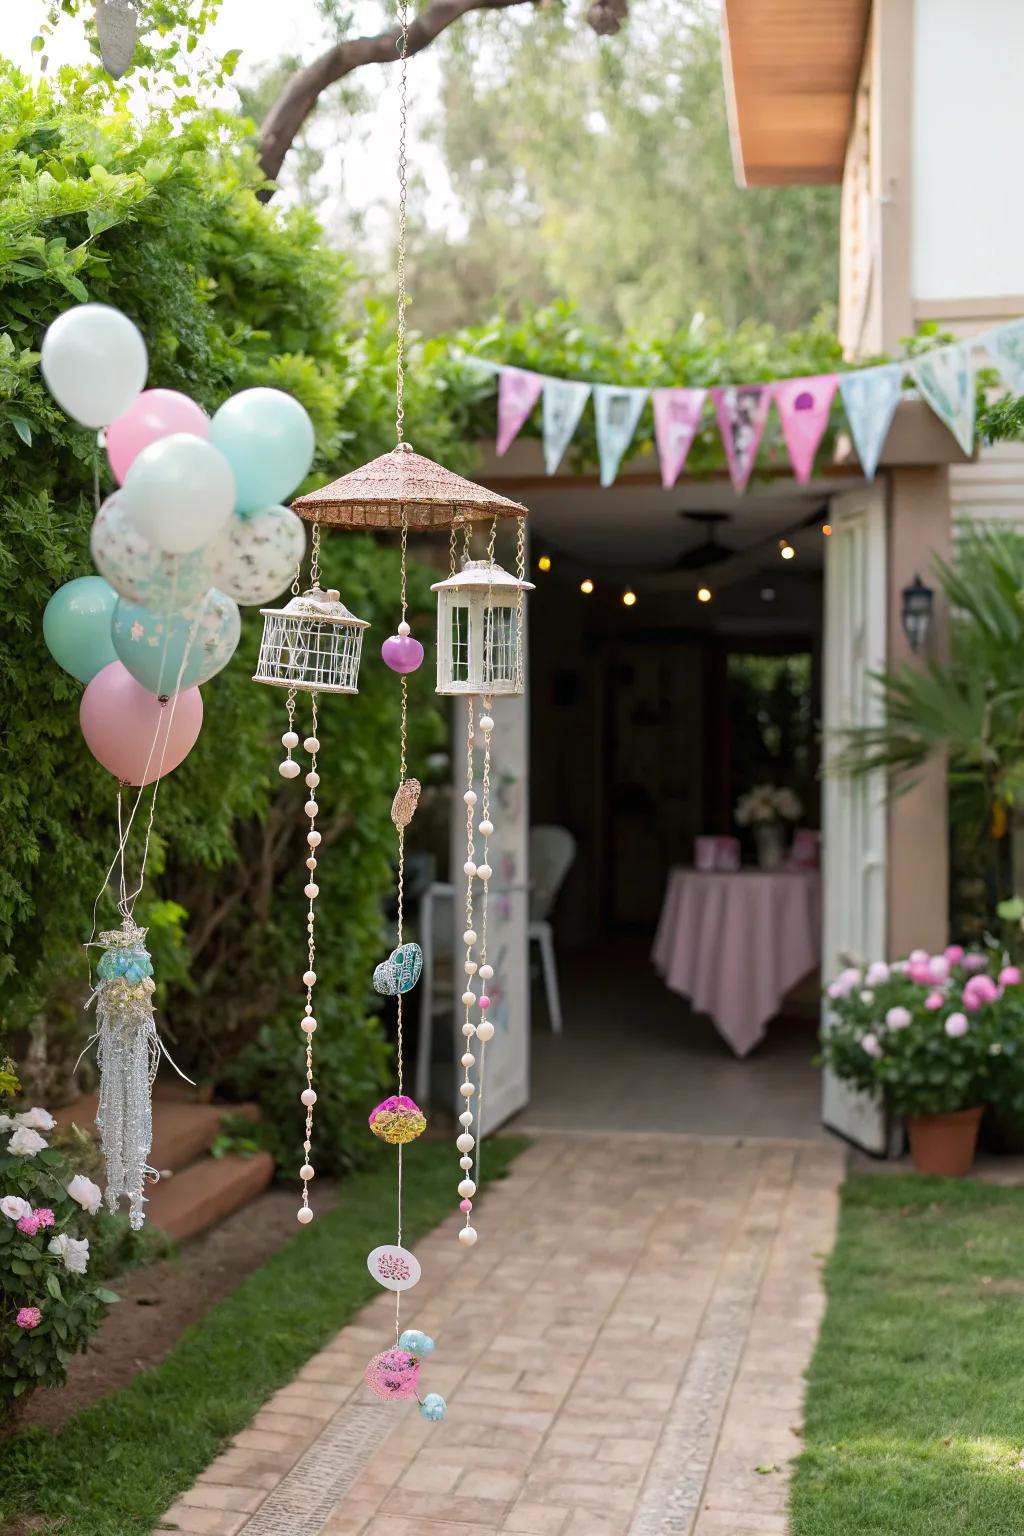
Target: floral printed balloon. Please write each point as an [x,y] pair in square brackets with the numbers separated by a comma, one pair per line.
[169,652]
[257,557]
[162,583]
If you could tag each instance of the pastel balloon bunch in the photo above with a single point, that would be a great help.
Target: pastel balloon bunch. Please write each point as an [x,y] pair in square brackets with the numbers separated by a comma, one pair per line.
[194,529]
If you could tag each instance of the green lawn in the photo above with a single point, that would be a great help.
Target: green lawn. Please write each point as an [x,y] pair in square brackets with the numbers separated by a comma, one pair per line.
[915,1413]
[114,1469]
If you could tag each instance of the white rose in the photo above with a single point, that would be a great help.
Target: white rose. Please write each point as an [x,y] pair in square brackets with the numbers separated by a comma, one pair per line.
[26,1143]
[14,1207]
[72,1251]
[86,1193]
[36,1119]
[6,1123]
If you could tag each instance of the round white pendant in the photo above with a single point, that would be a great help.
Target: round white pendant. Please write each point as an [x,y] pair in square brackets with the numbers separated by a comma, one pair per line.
[396,1269]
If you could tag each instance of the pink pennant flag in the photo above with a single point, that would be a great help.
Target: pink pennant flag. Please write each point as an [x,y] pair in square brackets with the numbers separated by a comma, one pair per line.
[676,419]
[518,393]
[742,410]
[804,405]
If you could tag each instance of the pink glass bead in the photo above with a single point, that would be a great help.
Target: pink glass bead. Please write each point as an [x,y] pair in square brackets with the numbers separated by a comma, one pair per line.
[402,653]
[393,1374]
[465,1206]
[483,1001]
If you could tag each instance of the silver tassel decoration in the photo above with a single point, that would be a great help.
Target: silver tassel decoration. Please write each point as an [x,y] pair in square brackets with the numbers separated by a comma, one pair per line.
[128,1054]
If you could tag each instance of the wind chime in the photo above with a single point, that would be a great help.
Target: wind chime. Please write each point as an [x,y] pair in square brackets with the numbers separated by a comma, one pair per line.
[404,491]
[312,645]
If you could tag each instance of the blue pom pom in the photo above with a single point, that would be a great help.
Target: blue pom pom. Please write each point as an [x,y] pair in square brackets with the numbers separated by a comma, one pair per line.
[420,1344]
[433,1407]
[133,973]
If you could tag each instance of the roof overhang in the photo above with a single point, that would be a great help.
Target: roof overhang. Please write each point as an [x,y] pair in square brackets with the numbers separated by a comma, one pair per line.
[791,71]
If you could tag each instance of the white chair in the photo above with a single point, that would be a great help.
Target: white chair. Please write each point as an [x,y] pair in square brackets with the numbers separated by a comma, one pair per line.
[552,850]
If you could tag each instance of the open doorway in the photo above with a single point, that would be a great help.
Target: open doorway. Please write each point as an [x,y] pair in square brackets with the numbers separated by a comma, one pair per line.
[672,673]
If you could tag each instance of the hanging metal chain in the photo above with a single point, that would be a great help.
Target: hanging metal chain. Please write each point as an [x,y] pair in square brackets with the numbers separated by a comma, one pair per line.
[520,662]
[314,561]
[403,187]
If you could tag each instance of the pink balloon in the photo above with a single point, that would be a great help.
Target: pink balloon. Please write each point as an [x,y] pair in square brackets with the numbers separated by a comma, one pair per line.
[130,733]
[156,413]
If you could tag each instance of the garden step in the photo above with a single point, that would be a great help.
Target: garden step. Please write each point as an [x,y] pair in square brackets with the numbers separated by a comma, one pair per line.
[207,1191]
[182,1131]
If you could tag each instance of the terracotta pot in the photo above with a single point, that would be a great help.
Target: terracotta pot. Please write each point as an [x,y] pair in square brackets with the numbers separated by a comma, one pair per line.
[944,1144]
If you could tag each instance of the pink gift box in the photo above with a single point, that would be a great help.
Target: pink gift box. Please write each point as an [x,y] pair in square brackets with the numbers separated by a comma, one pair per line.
[716,854]
[804,851]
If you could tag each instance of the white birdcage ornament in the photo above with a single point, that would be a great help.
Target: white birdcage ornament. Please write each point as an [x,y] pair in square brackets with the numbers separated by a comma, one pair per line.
[480,631]
[313,644]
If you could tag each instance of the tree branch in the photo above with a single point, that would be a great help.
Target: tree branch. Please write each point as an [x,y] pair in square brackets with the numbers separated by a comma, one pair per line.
[304,89]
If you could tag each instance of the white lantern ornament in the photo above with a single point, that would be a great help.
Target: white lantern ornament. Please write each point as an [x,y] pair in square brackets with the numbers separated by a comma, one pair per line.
[312,645]
[479,631]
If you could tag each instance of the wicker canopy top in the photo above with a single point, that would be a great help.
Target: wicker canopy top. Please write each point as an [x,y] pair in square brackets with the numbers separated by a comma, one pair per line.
[377,494]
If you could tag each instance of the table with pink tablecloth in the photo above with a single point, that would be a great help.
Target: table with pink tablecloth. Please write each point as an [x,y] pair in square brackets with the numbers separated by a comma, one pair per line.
[734,944]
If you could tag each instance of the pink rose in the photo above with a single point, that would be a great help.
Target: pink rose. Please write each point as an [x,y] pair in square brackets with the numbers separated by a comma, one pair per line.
[898,1018]
[918,956]
[938,967]
[29,1224]
[956,1025]
[920,972]
[974,962]
[45,1216]
[1009,976]
[933,1001]
[954,953]
[869,1044]
[978,991]
[29,1317]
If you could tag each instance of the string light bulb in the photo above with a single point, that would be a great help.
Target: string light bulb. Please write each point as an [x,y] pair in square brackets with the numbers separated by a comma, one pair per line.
[629,597]
[786,549]
[826,529]
[704,594]
[544,563]
[586,585]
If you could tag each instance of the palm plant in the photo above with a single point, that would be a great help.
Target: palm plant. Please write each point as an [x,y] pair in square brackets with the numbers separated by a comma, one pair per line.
[969,708]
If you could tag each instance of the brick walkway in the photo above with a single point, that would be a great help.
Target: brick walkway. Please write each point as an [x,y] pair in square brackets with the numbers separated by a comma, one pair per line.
[621,1352]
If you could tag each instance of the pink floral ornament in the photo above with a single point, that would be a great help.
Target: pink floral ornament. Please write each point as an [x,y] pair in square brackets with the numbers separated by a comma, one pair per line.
[393,1375]
[1009,976]
[29,1317]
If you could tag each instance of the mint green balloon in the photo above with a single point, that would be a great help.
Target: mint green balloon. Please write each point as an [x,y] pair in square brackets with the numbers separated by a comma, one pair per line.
[267,438]
[76,626]
[169,652]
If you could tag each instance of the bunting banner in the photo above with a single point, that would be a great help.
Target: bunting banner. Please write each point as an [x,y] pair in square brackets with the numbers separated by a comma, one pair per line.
[803,406]
[945,378]
[742,410]
[563,404]
[677,415]
[870,397]
[616,413]
[1005,346]
[518,393]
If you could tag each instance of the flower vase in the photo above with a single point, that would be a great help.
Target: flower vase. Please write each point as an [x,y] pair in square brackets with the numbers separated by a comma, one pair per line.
[771,847]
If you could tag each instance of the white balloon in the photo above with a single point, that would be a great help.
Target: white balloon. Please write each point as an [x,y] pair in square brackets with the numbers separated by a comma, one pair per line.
[257,557]
[179,493]
[94,363]
[136,570]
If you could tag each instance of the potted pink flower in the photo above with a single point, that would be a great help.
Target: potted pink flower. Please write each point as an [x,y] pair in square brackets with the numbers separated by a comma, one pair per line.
[937,1037]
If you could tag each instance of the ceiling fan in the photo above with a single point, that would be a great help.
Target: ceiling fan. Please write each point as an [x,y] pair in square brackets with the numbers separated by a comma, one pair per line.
[711,552]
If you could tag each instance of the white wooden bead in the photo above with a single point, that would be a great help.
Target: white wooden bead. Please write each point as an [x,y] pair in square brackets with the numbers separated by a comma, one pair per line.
[289,740]
[468,999]
[313,839]
[469,936]
[309,978]
[486,972]
[308,1097]
[311,744]
[484,872]
[467,1189]
[468,1029]
[465,1142]
[467,1090]
[466,1118]
[486,828]
[467,1235]
[306,1171]
[312,778]
[309,1025]
[305,1216]
[311,808]
[311,890]
[289,769]
[403,629]
[470,967]
[470,797]
[465,1163]
[467,1059]
[485,1030]
[469,868]
[486,723]
[311,862]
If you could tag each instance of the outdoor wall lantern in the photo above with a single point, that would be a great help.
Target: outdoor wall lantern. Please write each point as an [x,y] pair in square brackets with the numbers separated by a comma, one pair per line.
[916,612]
